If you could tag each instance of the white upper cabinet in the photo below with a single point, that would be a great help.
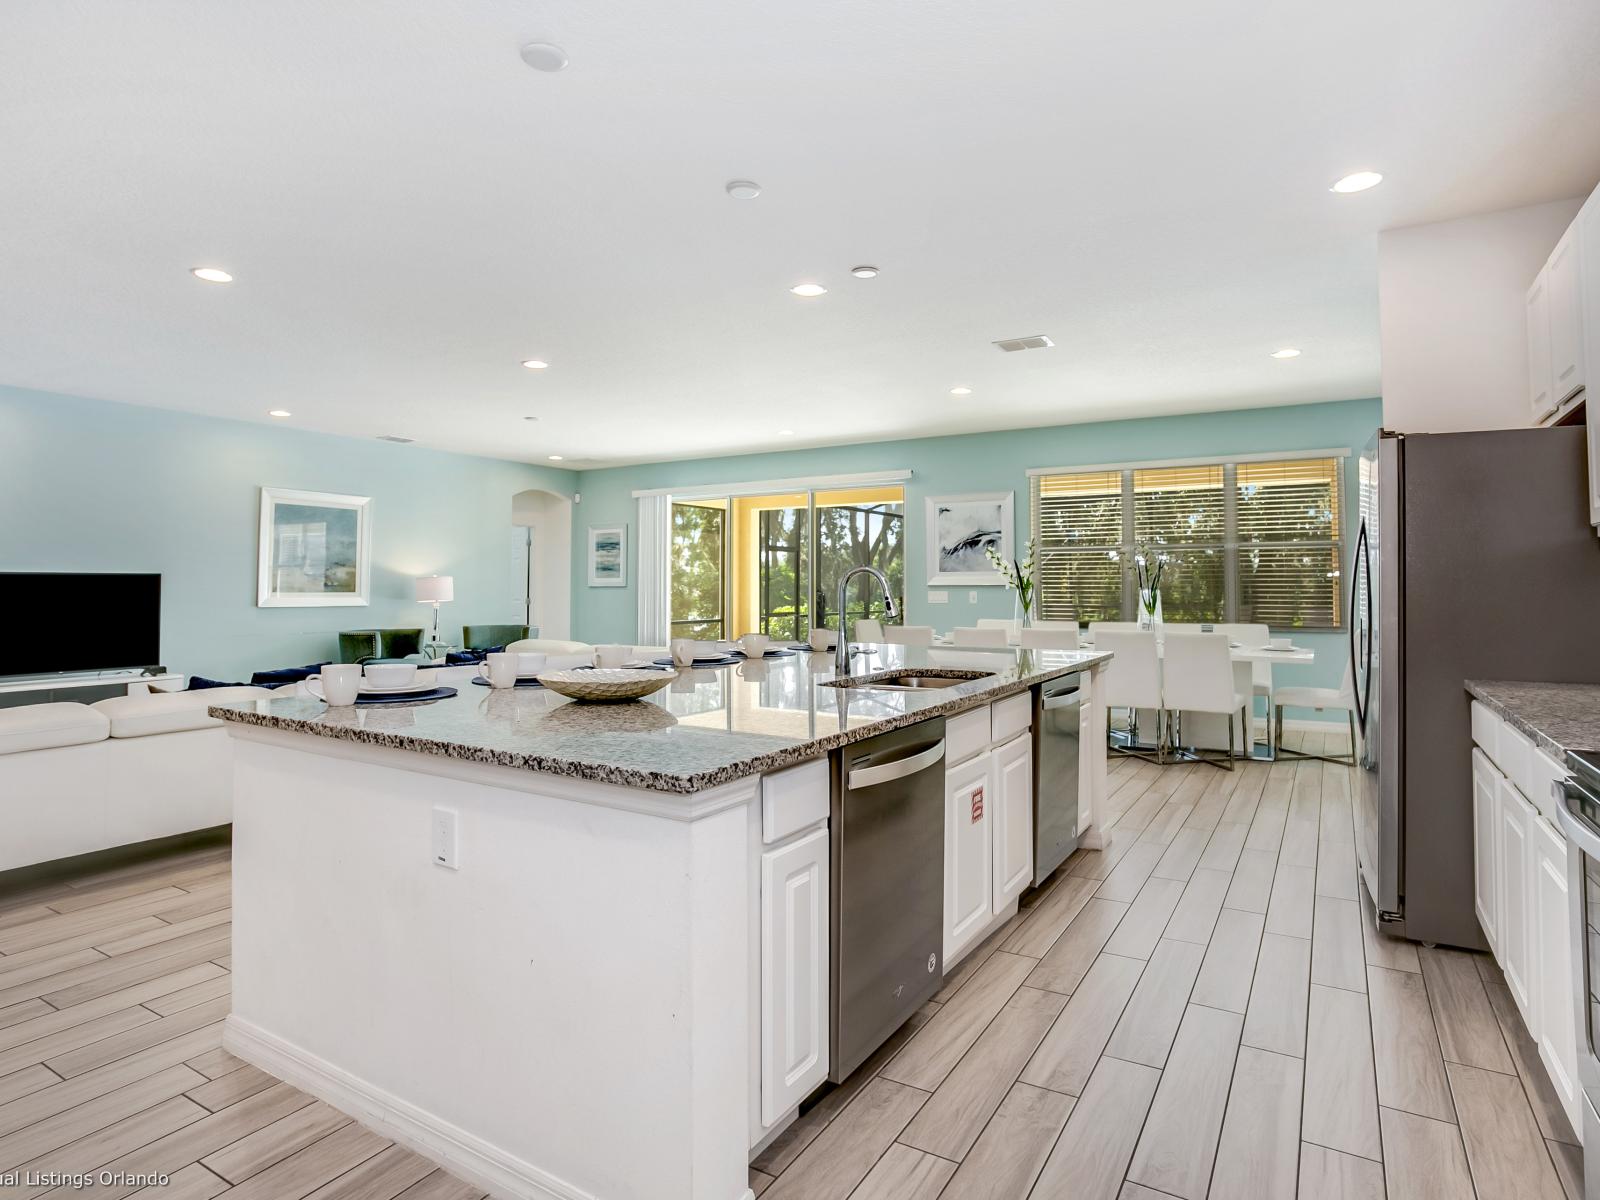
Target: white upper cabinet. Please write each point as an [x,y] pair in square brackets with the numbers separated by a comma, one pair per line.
[1564,283]
[1540,387]
[1587,227]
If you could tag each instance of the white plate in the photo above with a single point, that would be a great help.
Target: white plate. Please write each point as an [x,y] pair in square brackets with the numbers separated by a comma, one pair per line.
[425,681]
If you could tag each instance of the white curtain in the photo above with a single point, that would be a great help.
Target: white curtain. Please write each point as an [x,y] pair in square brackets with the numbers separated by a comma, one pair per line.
[655,548]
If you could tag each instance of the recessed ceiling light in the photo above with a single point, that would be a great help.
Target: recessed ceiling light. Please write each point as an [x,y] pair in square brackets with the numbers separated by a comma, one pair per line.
[397,440]
[743,189]
[530,418]
[1359,182]
[961,391]
[279,412]
[535,364]
[785,433]
[556,458]
[544,56]
[864,272]
[1286,352]
[809,289]
[211,274]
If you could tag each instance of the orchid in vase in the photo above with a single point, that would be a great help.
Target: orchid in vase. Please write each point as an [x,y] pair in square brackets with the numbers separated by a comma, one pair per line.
[1018,576]
[1148,562]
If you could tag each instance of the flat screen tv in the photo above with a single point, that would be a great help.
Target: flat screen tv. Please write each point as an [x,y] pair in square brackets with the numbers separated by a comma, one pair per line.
[79,622]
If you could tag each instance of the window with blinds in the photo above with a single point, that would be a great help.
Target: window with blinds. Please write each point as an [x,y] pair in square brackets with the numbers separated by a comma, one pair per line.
[1255,542]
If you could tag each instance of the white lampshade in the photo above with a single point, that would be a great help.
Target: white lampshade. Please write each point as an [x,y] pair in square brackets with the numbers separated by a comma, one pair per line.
[436,589]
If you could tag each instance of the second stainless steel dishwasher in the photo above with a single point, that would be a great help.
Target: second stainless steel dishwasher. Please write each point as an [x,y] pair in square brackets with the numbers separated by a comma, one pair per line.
[1057,716]
[887,911]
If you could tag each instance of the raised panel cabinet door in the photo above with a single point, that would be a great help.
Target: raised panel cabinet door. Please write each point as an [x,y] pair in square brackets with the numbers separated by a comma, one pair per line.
[1566,317]
[1091,756]
[794,972]
[1012,833]
[1540,402]
[1552,952]
[1588,227]
[968,861]
[1485,822]
[1512,891]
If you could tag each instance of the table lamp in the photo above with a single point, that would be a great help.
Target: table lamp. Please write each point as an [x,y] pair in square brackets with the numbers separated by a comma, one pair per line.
[436,590]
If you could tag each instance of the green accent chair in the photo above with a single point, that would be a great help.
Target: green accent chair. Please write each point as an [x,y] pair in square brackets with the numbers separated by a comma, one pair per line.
[378,645]
[487,637]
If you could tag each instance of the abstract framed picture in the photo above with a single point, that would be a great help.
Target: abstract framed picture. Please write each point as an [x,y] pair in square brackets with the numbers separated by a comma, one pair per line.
[315,549]
[960,529]
[608,556]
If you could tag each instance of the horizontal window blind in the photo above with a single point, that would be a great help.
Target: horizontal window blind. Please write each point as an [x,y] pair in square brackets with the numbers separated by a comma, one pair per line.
[1253,541]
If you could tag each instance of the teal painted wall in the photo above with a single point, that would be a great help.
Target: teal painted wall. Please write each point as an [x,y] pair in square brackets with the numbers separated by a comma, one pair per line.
[91,486]
[976,463]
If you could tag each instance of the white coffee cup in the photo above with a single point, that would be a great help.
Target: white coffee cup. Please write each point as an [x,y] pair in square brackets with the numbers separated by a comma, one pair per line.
[823,639]
[501,669]
[391,675]
[612,656]
[1282,643]
[337,683]
[754,644]
[530,663]
[682,651]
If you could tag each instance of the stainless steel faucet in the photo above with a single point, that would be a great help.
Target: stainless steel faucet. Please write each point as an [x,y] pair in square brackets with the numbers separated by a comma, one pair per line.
[841,653]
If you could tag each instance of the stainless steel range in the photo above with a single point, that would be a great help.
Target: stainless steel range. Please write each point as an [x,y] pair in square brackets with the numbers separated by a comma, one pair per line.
[1579,813]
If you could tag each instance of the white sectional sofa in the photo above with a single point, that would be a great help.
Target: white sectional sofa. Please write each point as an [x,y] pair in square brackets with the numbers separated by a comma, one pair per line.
[75,778]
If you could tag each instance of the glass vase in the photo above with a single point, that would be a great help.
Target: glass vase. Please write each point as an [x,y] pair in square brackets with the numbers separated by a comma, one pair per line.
[1149,610]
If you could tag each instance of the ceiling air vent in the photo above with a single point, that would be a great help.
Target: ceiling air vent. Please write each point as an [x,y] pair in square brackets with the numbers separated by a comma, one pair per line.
[400,441]
[1037,342]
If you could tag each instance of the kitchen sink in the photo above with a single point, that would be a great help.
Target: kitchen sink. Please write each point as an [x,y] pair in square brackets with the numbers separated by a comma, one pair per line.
[908,681]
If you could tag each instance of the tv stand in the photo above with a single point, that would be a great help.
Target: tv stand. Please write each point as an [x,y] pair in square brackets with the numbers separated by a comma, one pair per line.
[80,686]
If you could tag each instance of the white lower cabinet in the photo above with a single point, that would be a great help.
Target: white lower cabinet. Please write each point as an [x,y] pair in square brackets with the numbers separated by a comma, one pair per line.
[968,854]
[1511,887]
[794,972]
[1013,819]
[1555,1025]
[1485,821]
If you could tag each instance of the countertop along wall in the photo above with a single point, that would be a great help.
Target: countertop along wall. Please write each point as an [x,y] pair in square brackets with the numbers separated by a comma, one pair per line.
[975,463]
[92,486]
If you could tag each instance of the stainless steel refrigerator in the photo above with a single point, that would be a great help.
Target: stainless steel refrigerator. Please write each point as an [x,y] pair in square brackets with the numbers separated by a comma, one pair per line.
[1474,559]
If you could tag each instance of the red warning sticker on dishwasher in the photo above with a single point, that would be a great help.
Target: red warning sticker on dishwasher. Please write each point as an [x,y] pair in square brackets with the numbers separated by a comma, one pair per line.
[977,806]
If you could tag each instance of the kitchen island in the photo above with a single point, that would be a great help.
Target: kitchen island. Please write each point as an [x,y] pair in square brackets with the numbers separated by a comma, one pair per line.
[561,948]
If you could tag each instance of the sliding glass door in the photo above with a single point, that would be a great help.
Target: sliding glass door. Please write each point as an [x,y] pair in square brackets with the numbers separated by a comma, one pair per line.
[771,564]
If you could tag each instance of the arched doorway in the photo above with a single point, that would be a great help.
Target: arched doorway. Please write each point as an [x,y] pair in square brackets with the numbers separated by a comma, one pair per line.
[541,546]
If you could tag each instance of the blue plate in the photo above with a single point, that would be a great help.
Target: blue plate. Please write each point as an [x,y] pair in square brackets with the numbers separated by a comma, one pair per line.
[441,693]
[529,681]
[723,661]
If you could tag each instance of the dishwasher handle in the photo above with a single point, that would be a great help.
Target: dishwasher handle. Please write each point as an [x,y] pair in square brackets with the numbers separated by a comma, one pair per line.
[1578,827]
[1063,699]
[865,777]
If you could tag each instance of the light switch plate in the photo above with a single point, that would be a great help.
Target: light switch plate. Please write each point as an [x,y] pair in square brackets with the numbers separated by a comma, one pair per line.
[447,838]
[972,597]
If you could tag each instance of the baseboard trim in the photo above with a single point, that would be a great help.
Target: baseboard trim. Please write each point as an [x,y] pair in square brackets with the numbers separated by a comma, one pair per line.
[464,1154]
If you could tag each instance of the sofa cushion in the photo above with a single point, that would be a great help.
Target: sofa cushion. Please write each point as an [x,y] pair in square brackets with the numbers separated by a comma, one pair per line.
[171,712]
[548,646]
[42,726]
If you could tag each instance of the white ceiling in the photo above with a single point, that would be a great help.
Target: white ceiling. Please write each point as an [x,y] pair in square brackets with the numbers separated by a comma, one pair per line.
[409,210]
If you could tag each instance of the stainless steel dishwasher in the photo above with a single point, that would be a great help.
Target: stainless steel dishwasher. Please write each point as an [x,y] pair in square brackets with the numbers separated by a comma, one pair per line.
[887,911]
[1057,711]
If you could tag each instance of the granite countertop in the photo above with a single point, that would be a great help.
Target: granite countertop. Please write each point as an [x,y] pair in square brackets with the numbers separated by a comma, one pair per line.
[708,727]
[1557,716]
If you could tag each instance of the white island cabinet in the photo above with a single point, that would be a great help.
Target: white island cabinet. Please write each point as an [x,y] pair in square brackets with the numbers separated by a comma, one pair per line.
[570,951]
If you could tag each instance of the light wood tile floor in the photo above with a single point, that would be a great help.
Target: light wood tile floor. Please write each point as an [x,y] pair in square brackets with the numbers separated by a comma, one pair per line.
[1219,988]
[1191,1012]
[112,992]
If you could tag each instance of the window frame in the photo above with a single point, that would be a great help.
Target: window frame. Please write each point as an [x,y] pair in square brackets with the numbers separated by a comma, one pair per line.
[1232,544]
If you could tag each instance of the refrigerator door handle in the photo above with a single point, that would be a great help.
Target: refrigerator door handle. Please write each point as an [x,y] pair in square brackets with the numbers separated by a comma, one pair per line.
[1360,673]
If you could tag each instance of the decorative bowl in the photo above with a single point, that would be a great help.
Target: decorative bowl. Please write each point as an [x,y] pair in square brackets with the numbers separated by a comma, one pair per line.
[606,686]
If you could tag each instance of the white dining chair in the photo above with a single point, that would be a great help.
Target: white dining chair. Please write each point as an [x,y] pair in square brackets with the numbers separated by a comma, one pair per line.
[1254,636]
[978,636]
[1013,628]
[1197,677]
[869,630]
[908,635]
[1098,627]
[1321,700]
[1037,638]
[1132,680]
